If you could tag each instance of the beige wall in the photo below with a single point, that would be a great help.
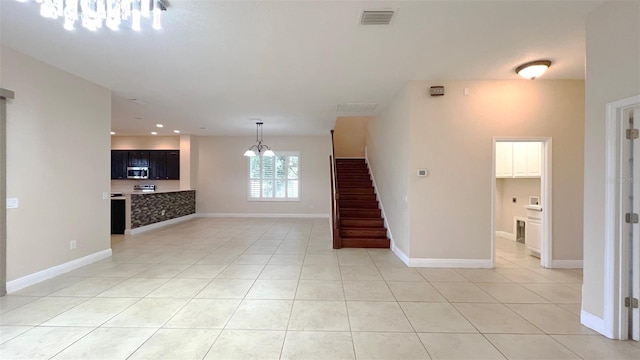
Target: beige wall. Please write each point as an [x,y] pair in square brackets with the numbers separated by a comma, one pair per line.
[145,142]
[188,162]
[350,136]
[388,156]
[222,172]
[613,73]
[57,165]
[506,211]
[452,137]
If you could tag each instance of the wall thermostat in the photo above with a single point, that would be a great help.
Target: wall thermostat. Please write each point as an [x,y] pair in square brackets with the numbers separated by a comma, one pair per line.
[422,172]
[436,91]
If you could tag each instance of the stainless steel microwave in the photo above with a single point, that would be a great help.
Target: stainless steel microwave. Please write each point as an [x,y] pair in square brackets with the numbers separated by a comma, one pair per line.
[138,172]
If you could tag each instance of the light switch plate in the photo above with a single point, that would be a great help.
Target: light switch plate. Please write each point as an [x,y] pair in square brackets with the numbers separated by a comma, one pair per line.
[12,203]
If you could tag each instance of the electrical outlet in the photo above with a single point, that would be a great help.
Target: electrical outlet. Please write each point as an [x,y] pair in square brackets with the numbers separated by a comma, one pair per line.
[106,196]
[73,244]
[514,200]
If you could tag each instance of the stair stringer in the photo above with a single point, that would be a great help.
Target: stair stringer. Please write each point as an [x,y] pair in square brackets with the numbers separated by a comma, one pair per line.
[404,258]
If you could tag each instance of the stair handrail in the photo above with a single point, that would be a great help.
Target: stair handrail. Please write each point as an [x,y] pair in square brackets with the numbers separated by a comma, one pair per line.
[335,196]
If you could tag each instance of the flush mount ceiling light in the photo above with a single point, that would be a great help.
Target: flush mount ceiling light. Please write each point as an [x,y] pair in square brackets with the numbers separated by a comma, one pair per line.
[534,69]
[113,13]
[259,146]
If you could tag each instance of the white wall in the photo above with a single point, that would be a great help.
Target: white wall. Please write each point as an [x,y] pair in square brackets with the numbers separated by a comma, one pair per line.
[613,73]
[57,165]
[388,154]
[222,176]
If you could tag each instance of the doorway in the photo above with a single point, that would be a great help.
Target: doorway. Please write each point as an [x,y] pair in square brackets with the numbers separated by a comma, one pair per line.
[622,234]
[521,198]
[4,95]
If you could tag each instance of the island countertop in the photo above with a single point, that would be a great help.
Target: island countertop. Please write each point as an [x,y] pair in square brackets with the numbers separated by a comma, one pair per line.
[140,192]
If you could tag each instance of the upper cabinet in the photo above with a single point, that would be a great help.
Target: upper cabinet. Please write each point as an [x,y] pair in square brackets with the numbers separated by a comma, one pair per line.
[173,165]
[162,164]
[504,159]
[518,159]
[138,158]
[119,164]
[157,164]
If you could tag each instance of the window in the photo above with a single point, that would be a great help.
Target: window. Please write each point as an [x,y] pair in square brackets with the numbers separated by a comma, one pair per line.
[275,178]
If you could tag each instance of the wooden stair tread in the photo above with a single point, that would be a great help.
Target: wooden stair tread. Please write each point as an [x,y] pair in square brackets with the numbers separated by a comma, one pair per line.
[361,223]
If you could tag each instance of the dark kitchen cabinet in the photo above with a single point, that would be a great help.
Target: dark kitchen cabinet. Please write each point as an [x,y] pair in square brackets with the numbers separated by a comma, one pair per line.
[138,158]
[157,164]
[173,165]
[164,164]
[118,221]
[119,164]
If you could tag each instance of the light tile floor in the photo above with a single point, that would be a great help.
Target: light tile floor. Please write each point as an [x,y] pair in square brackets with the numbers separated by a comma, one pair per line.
[274,289]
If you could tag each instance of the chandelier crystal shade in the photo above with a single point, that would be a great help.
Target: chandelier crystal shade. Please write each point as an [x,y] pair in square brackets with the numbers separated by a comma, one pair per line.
[93,14]
[259,146]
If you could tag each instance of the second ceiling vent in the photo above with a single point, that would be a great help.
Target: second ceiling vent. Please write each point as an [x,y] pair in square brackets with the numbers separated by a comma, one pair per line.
[376,17]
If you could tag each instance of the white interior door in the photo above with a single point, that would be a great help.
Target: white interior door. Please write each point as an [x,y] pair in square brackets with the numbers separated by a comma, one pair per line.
[634,240]
[630,242]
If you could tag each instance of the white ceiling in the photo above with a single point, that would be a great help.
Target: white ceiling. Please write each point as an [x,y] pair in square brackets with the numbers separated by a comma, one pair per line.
[218,64]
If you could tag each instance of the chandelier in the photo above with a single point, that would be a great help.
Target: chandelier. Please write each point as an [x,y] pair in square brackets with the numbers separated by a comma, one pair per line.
[93,13]
[259,145]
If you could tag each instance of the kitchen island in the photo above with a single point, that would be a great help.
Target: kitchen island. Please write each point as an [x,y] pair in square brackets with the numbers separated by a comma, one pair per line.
[148,210]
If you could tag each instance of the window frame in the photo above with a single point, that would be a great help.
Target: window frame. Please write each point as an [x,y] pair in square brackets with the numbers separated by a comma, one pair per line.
[287,154]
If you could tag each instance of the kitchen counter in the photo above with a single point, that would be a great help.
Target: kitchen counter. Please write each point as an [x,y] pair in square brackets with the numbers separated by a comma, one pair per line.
[145,208]
[128,192]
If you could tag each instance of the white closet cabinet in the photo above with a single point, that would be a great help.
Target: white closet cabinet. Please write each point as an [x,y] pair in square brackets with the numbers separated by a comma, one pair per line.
[518,159]
[504,159]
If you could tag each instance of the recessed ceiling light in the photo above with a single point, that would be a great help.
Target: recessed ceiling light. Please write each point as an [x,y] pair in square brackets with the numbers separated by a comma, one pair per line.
[113,133]
[532,70]
[159,125]
[154,133]
[176,131]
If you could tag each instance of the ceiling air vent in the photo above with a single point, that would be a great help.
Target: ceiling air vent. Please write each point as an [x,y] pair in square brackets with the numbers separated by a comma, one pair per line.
[357,107]
[376,17]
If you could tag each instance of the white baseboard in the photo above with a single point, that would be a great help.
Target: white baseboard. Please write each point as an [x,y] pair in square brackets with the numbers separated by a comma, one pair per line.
[158,225]
[263,215]
[400,254]
[566,264]
[595,323]
[54,271]
[505,235]
[450,263]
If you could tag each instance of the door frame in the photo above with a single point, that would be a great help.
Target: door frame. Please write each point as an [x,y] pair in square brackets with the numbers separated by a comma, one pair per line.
[546,244]
[615,321]
[4,95]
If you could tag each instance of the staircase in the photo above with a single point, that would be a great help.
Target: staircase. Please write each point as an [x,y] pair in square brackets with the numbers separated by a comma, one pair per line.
[361,222]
